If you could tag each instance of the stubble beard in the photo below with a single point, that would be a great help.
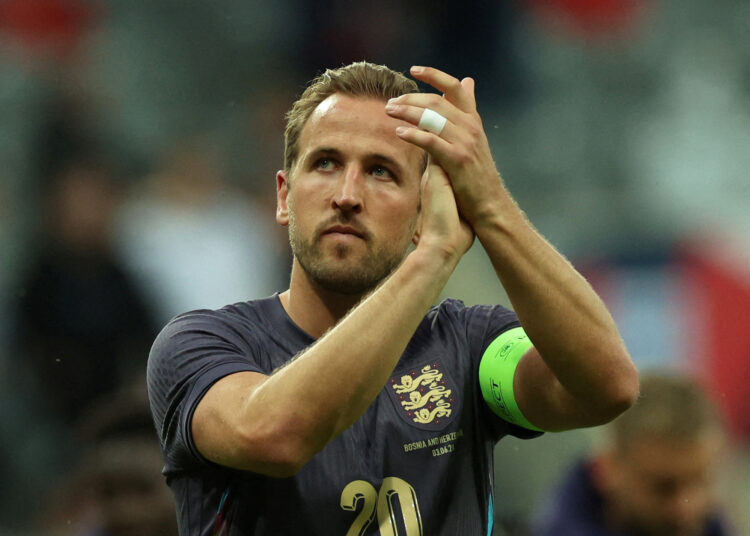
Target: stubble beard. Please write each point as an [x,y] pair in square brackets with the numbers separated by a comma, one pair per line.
[337,272]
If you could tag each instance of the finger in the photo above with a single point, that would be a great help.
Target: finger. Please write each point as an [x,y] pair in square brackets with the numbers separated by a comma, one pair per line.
[420,214]
[441,151]
[468,84]
[432,101]
[455,117]
[436,174]
[449,85]
[413,115]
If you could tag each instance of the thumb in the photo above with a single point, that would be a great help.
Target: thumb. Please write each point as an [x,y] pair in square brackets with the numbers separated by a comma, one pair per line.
[420,215]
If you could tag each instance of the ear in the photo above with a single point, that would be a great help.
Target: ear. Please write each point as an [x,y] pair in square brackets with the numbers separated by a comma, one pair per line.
[282,192]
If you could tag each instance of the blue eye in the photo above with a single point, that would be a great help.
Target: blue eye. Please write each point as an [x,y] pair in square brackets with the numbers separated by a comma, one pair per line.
[381,172]
[324,164]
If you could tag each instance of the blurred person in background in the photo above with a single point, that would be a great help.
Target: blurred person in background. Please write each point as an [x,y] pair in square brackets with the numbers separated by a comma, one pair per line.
[115,488]
[82,326]
[655,474]
[191,239]
[349,396]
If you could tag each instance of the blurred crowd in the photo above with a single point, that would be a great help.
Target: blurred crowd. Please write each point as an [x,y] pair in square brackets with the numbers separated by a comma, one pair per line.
[138,146]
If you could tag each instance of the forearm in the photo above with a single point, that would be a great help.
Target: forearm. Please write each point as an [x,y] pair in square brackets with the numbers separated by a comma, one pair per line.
[563,316]
[328,387]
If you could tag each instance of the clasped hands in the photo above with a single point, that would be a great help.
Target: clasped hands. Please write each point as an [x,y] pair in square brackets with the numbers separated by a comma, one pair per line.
[460,159]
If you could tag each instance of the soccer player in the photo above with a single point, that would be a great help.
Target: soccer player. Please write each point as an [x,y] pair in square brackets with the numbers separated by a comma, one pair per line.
[654,475]
[349,404]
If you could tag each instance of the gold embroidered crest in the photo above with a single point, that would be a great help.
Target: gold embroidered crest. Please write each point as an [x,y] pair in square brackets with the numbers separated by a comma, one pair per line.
[424,395]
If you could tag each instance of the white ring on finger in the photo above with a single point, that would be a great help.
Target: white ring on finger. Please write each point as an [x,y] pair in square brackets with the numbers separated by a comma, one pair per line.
[431,121]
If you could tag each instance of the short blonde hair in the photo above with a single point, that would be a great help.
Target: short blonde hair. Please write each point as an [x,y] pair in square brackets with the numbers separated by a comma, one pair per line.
[359,79]
[669,407]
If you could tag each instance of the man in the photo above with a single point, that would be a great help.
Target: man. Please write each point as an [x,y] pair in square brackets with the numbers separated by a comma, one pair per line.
[655,474]
[347,404]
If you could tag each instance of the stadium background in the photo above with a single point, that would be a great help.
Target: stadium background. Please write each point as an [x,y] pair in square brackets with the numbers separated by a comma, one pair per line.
[622,127]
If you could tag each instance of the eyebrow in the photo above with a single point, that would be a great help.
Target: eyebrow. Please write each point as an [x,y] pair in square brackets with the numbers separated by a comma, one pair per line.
[323,151]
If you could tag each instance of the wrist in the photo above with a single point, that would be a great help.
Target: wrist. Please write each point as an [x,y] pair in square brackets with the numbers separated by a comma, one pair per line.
[434,257]
[487,203]
[496,213]
[443,251]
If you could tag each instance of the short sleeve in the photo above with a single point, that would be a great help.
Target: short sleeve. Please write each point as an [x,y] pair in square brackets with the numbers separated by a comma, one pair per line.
[484,323]
[190,354]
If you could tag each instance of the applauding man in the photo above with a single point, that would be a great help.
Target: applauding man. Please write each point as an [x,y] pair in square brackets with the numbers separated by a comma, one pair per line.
[350,404]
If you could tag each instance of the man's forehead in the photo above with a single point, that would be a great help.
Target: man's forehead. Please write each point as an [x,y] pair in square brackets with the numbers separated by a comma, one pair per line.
[326,106]
[341,107]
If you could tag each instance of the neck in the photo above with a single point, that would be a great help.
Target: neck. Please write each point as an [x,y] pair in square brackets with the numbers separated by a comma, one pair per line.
[313,308]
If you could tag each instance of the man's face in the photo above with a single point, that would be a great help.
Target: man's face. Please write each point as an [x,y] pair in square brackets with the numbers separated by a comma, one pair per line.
[661,487]
[351,202]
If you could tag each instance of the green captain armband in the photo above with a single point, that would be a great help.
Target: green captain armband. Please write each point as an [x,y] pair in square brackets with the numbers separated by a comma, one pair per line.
[496,371]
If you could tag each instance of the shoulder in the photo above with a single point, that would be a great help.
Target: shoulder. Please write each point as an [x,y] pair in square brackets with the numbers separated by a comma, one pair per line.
[465,330]
[230,319]
[453,307]
[234,328]
[478,320]
[449,309]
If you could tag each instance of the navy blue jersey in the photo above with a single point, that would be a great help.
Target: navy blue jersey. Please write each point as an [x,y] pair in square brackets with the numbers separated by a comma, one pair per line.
[418,461]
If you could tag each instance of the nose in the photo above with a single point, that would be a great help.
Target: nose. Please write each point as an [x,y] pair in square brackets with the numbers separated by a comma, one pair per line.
[348,196]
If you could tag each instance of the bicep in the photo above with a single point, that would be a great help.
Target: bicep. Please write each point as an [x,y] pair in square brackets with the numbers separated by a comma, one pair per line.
[218,424]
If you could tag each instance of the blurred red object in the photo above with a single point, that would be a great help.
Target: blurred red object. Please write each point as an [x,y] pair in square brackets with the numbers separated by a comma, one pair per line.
[591,17]
[723,350]
[45,26]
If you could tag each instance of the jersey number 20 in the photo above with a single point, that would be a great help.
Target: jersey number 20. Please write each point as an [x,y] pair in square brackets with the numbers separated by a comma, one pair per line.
[382,503]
